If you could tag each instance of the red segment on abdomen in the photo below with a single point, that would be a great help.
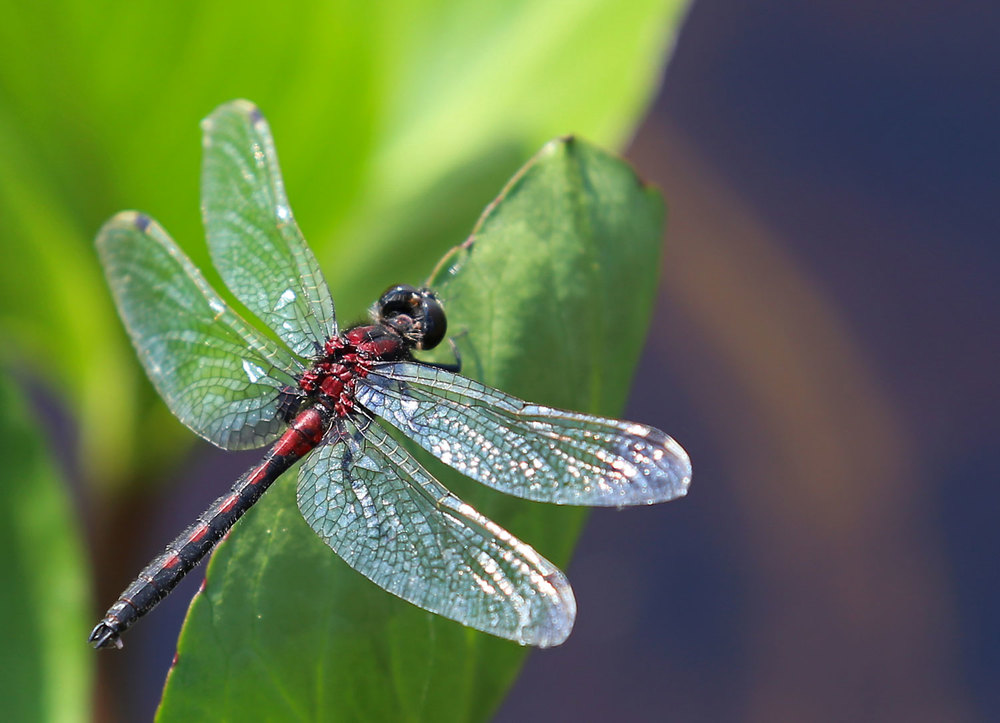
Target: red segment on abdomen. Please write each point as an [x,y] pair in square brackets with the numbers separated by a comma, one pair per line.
[229,503]
[258,475]
[305,433]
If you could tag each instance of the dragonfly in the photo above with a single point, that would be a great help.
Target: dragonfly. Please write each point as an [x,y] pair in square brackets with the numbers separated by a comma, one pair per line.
[338,401]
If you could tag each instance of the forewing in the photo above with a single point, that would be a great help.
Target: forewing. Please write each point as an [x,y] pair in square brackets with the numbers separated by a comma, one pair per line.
[216,373]
[527,450]
[391,521]
[255,243]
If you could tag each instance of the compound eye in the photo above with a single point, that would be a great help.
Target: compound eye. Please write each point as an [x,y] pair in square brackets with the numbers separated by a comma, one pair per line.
[432,320]
[399,299]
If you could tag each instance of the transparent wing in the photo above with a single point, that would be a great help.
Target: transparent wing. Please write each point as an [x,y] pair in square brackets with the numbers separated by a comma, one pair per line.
[255,243]
[217,374]
[527,450]
[391,521]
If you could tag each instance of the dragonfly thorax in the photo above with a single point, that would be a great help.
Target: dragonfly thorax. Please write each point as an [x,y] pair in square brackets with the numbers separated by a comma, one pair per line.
[330,381]
[405,318]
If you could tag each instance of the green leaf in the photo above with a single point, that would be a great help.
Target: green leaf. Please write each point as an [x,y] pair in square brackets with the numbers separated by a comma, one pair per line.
[44,597]
[549,299]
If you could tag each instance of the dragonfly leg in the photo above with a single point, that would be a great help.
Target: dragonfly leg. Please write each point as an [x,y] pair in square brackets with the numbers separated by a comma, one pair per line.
[456,366]
[289,402]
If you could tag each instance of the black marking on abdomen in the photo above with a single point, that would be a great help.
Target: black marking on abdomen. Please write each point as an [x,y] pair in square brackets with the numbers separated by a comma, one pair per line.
[182,555]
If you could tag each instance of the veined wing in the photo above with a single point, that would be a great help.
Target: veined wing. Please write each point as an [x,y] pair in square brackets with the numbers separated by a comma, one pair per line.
[391,521]
[527,450]
[218,375]
[255,243]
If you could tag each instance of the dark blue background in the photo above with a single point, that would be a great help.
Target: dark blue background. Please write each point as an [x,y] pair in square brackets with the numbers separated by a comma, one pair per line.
[826,346]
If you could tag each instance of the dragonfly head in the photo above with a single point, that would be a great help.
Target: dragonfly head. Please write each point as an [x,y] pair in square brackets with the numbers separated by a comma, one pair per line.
[416,314]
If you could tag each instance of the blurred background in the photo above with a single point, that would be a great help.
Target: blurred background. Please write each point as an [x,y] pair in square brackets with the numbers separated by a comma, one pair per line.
[824,343]
[826,347]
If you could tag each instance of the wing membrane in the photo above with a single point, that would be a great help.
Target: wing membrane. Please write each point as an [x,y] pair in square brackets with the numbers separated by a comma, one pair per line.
[370,501]
[217,374]
[527,450]
[255,243]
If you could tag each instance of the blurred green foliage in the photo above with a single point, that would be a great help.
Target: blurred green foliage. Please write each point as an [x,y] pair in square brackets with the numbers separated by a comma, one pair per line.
[394,121]
[45,672]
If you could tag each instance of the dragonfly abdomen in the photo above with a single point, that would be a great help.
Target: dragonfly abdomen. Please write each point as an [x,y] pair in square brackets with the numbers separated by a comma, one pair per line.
[182,555]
